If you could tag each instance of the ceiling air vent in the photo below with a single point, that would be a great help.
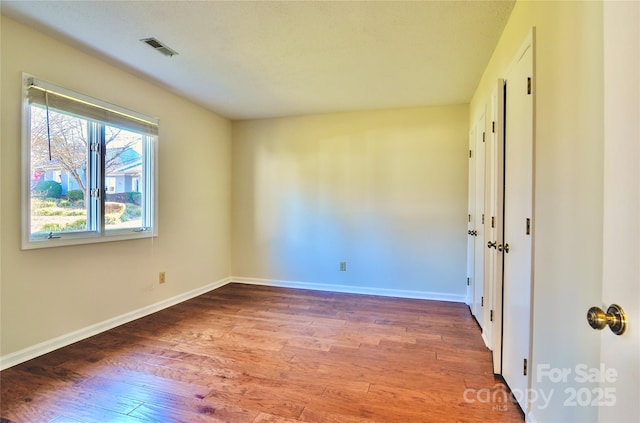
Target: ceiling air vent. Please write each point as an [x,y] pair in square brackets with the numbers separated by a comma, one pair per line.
[159,46]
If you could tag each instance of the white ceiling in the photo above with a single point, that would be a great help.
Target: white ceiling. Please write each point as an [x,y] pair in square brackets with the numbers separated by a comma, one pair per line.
[257,59]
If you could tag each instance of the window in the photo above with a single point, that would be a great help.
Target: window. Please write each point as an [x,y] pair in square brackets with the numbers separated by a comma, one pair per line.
[89,169]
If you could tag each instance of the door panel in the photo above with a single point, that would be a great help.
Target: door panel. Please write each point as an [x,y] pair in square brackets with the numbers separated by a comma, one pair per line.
[477,217]
[489,231]
[494,225]
[621,229]
[471,201]
[518,206]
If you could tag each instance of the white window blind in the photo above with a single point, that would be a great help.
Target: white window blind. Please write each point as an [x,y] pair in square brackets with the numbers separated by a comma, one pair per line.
[58,98]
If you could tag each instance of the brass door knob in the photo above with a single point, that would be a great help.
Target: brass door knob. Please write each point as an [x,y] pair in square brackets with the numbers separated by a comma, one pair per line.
[500,247]
[506,248]
[615,318]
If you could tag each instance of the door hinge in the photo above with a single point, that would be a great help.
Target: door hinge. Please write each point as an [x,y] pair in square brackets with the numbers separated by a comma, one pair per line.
[493,221]
[470,154]
[524,367]
[491,316]
[493,126]
[528,232]
[469,218]
[483,218]
[468,281]
[483,136]
[482,301]
[529,85]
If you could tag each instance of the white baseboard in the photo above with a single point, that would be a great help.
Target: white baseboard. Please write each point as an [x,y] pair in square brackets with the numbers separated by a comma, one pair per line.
[28,353]
[350,289]
[486,341]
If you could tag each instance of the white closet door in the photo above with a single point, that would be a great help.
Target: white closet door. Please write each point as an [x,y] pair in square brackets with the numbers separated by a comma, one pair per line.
[518,226]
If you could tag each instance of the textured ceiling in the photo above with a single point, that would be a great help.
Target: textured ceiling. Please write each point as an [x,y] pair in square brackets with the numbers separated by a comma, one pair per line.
[249,60]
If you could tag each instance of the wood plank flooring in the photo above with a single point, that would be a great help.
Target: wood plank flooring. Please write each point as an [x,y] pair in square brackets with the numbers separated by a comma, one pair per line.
[258,354]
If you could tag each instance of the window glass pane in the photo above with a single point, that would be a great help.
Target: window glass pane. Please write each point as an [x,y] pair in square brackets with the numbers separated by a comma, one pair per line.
[58,173]
[124,167]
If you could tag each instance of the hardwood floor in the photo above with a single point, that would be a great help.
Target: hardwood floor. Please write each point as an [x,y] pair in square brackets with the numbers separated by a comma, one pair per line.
[270,355]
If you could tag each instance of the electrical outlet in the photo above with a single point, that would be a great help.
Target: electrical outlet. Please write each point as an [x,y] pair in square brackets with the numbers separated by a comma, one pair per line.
[343,266]
[162,277]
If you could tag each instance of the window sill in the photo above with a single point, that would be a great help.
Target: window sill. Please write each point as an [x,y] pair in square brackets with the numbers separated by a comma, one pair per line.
[70,240]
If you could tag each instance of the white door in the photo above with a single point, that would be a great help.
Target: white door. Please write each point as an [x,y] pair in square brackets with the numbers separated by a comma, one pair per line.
[489,231]
[478,220]
[518,209]
[492,331]
[470,225]
[621,240]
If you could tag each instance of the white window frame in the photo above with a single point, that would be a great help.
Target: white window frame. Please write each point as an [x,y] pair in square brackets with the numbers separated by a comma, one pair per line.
[98,233]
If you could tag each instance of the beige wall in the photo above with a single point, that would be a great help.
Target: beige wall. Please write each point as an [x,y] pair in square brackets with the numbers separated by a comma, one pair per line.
[50,292]
[568,181]
[385,191]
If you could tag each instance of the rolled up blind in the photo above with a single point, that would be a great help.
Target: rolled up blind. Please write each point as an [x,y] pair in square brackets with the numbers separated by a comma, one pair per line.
[63,100]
